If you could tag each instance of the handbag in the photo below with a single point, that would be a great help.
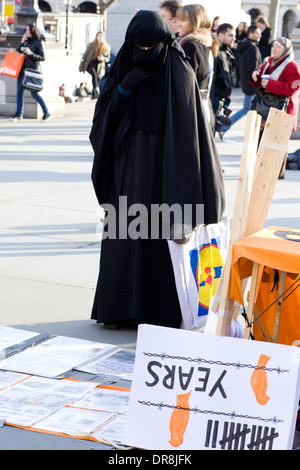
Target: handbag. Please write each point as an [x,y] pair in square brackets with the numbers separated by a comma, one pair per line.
[12,64]
[32,80]
[264,100]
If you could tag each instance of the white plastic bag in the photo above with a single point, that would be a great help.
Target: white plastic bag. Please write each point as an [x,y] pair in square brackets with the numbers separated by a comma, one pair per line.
[197,268]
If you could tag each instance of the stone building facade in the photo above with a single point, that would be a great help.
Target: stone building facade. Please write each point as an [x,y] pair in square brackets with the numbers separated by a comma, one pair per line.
[288,17]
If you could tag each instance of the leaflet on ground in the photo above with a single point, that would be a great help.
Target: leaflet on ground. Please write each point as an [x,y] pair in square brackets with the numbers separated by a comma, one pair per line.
[71,407]
[100,415]
[34,398]
[13,339]
[54,357]
[117,363]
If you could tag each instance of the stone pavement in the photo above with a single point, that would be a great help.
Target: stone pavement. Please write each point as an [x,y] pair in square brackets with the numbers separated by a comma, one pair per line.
[49,243]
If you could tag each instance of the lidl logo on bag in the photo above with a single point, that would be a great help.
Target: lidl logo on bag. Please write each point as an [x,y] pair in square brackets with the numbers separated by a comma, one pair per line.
[207,264]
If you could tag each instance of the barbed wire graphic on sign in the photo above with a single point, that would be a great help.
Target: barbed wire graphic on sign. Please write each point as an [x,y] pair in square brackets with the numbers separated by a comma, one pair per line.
[201,360]
[196,410]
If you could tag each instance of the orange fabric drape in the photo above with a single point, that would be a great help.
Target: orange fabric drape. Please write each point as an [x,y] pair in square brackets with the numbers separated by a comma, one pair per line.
[272,253]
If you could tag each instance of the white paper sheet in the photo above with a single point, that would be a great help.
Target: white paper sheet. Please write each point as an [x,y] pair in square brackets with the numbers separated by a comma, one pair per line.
[74,421]
[12,336]
[8,378]
[36,397]
[118,363]
[54,357]
[114,401]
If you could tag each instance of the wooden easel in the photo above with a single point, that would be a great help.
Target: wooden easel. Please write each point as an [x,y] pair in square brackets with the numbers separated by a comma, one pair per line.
[253,314]
[222,303]
[259,172]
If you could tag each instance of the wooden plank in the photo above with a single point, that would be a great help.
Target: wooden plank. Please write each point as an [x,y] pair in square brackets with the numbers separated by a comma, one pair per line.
[251,303]
[278,307]
[270,155]
[221,301]
[260,322]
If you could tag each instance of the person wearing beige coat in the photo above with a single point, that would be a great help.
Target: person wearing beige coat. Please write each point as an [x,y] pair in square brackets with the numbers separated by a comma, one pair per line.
[94,60]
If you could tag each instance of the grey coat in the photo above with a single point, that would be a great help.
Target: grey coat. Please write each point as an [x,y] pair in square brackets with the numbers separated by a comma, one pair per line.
[88,55]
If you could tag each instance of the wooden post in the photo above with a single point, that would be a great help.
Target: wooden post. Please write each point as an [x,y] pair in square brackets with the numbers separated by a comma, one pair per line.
[222,304]
[271,153]
[278,308]
[251,303]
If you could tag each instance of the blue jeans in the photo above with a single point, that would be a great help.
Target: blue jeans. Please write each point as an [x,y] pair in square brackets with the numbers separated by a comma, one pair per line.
[244,110]
[20,98]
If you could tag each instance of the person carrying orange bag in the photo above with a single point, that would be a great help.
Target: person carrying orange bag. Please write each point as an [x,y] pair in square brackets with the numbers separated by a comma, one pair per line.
[12,64]
[32,49]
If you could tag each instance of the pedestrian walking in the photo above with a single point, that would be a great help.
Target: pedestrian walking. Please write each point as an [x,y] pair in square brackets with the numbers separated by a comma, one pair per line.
[94,60]
[153,146]
[249,60]
[31,47]
[223,75]
[240,34]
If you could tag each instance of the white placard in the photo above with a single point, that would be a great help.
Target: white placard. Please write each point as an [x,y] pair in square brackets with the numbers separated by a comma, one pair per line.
[195,391]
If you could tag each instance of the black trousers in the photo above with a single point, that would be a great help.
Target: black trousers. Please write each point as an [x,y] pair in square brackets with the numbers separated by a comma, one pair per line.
[92,71]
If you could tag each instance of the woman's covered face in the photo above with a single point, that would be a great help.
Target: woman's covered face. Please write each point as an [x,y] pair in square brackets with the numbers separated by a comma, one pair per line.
[147,39]
[149,56]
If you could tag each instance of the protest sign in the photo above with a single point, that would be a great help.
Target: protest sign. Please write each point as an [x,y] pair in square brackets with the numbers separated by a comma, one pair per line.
[193,391]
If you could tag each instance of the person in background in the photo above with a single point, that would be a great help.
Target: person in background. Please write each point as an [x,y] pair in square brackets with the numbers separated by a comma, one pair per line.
[148,119]
[215,24]
[286,84]
[265,43]
[241,31]
[223,74]
[94,60]
[249,60]
[31,47]
[240,34]
[87,88]
[63,92]
[168,10]
[201,48]
[81,91]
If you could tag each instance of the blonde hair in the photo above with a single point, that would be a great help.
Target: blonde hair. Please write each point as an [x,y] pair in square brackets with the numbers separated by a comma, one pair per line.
[198,17]
[101,49]
[196,14]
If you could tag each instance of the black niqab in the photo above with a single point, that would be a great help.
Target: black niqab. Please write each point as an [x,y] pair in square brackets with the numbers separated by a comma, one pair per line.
[155,147]
[146,29]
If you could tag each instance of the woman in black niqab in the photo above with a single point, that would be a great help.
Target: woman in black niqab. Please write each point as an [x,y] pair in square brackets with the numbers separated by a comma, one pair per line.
[153,145]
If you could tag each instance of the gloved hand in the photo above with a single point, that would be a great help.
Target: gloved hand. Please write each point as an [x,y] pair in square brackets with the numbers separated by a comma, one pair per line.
[133,78]
[181,234]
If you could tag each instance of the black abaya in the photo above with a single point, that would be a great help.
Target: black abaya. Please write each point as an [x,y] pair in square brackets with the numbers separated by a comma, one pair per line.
[153,146]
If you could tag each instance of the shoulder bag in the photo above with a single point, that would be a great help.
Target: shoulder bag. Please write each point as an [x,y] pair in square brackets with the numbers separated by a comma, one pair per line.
[33,80]
[265,100]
